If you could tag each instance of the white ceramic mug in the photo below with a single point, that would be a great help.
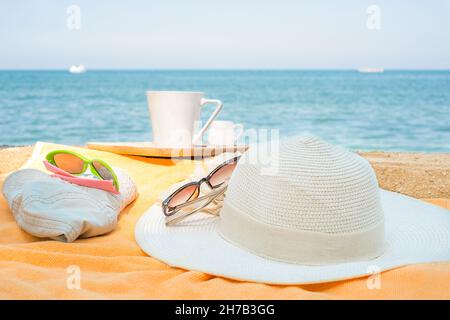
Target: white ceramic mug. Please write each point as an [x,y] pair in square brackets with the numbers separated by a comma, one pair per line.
[175,114]
[224,133]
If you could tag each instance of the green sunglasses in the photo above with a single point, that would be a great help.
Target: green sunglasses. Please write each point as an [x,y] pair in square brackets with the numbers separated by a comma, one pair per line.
[76,164]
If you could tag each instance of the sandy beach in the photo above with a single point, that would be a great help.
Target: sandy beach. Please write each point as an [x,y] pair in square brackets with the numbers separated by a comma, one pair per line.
[420,175]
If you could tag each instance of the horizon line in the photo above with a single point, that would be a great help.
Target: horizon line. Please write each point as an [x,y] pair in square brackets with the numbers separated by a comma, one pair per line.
[225,69]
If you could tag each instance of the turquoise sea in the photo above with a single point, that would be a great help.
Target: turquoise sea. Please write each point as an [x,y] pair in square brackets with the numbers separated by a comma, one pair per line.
[394,110]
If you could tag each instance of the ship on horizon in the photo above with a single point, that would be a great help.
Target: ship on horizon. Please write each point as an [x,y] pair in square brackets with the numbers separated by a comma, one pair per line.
[371,70]
[77,69]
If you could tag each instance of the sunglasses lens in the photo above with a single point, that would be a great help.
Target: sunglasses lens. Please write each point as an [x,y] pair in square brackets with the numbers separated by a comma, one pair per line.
[69,162]
[222,175]
[183,195]
[102,171]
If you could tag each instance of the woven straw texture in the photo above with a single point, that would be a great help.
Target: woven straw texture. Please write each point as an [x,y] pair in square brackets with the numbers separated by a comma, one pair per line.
[317,187]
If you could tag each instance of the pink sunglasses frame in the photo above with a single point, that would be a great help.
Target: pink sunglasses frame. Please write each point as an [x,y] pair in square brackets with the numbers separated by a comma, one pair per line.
[106,185]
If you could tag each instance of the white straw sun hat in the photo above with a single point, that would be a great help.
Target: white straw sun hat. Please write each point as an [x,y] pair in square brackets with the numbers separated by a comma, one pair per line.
[318,217]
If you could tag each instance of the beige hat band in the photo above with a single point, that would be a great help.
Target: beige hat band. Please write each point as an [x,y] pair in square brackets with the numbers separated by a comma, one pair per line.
[298,246]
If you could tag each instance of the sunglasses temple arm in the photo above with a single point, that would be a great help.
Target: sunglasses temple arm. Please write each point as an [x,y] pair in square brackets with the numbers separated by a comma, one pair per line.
[177,218]
[211,195]
[56,170]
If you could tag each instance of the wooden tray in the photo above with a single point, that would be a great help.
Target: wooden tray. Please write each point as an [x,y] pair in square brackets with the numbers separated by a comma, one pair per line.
[148,149]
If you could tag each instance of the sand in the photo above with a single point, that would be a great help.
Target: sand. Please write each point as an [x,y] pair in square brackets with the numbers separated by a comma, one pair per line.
[420,175]
[12,158]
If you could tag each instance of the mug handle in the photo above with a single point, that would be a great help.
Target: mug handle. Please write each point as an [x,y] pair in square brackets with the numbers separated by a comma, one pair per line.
[204,102]
[240,128]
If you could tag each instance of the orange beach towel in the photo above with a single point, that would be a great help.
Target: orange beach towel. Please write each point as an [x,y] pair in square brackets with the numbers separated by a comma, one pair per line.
[114,267]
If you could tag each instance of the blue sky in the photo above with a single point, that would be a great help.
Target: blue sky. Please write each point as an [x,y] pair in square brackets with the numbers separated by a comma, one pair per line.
[231,34]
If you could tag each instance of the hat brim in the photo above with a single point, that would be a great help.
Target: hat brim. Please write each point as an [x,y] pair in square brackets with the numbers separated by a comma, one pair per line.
[416,232]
